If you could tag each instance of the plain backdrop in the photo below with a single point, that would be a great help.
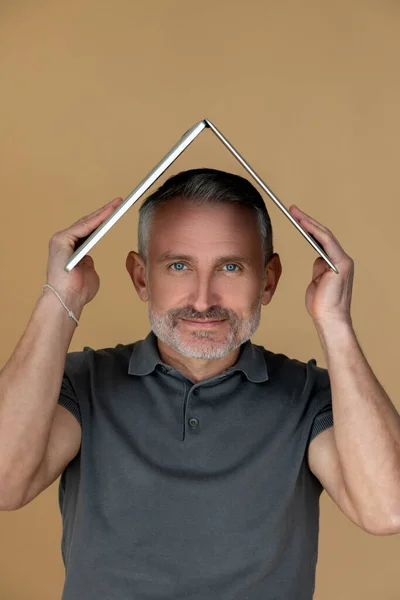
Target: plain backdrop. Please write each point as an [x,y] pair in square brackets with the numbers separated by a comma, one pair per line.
[94,93]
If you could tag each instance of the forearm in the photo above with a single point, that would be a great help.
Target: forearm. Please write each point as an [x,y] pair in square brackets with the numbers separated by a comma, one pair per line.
[366,426]
[29,387]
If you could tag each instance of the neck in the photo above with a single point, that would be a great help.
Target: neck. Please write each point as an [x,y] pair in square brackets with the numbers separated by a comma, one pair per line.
[196,369]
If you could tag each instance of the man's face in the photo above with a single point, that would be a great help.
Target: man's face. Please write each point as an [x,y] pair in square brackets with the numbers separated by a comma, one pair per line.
[204,264]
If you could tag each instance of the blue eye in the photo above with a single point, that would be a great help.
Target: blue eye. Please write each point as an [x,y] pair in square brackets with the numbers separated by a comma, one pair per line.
[182,265]
[232,265]
[177,264]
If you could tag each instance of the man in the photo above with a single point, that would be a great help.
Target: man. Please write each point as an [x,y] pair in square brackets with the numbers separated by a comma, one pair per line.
[192,461]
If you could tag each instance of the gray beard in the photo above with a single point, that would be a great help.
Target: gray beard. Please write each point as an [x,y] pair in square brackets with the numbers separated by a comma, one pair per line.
[201,343]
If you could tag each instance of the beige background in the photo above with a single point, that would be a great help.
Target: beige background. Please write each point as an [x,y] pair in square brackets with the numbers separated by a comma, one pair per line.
[94,93]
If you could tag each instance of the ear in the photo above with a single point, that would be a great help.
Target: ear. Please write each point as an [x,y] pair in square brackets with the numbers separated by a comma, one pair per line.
[272,274]
[137,271]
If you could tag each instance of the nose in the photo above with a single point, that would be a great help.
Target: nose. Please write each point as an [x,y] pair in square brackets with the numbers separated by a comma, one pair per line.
[204,294]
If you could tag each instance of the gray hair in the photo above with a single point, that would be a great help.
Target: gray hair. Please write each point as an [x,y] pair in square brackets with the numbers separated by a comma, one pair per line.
[207,186]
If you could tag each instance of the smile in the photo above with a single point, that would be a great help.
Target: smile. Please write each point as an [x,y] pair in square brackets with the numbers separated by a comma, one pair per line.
[206,324]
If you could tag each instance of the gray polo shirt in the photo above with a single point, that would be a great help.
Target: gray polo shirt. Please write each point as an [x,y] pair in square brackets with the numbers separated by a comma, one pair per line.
[191,491]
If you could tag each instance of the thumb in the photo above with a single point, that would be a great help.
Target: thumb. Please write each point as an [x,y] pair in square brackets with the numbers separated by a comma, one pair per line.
[87,261]
[319,269]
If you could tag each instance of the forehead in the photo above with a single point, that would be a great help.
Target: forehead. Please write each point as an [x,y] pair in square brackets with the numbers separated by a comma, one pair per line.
[218,228]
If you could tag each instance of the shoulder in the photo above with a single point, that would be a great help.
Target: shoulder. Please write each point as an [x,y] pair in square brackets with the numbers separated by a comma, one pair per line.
[89,359]
[304,376]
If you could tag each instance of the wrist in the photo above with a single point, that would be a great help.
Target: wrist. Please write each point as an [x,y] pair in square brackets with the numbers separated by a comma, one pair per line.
[334,326]
[336,337]
[69,302]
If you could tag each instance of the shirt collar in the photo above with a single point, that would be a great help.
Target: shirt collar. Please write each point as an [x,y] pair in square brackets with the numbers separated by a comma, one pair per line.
[145,356]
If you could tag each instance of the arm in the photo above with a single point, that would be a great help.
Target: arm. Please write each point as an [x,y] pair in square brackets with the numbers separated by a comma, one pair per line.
[31,380]
[30,383]
[367,429]
[366,424]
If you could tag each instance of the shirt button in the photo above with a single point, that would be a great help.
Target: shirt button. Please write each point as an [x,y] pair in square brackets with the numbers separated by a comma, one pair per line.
[163,370]
[193,422]
[196,392]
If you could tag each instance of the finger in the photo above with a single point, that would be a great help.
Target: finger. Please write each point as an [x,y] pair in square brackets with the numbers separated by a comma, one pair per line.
[112,203]
[87,261]
[298,213]
[327,240]
[319,268]
[99,211]
[305,218]
[87,224]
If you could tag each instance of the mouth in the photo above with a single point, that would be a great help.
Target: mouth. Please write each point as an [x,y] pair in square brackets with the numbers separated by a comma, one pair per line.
[203,323]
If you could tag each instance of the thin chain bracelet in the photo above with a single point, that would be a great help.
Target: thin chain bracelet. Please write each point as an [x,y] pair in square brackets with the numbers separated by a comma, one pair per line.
[70,313]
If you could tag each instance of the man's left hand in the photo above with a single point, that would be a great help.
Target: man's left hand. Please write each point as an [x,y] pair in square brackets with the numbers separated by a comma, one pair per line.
[328,297]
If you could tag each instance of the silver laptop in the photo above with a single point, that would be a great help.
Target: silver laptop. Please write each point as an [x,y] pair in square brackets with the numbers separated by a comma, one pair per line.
[84,245]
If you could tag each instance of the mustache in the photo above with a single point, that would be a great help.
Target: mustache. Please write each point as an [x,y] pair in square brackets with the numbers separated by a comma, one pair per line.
[212,313]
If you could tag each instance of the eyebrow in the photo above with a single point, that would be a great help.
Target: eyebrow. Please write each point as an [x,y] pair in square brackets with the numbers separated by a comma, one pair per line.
[167,256]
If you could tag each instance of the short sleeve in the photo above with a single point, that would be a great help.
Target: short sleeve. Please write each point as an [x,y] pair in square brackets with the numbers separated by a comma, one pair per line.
[68,399]
[318,387]
[69,392]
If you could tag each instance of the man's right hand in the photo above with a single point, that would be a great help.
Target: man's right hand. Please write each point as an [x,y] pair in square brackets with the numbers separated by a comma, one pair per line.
[81,284]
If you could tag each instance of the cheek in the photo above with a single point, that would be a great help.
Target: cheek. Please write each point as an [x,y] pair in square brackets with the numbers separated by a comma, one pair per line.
[165,292]
[243,291]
